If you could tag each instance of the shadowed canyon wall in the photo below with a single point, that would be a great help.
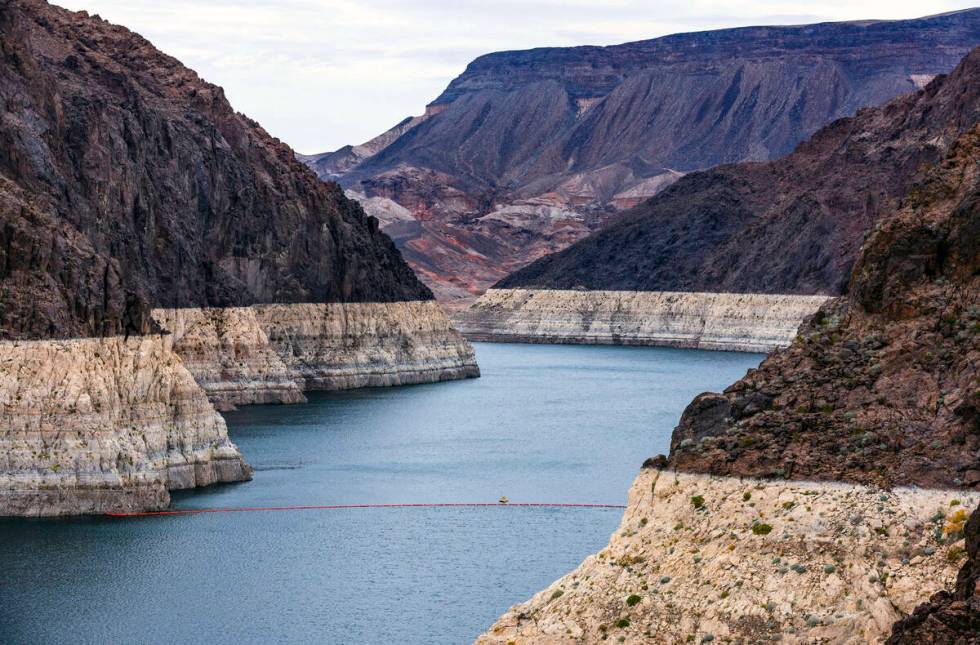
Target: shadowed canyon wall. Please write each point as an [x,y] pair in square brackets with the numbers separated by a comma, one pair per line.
[135,201]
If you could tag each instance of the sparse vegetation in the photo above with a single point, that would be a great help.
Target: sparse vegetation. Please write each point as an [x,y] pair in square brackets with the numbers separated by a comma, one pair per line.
[760,528]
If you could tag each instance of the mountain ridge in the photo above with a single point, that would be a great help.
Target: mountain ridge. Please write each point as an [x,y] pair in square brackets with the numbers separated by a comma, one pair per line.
[526,152]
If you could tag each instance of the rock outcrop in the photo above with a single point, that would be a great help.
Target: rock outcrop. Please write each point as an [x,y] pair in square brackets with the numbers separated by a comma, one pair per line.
[949,618]
[882,385]
[127,183]
[229,355]
[273,353]
[528,151]
[350,345]
[104,425]
[134,200]
[724,321]
[699,559]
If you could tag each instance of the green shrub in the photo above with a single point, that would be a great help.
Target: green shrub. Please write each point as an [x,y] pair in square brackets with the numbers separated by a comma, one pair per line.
[623,623]
[761,529]
[633,600]
[746,496]
[698,501]
[558,594]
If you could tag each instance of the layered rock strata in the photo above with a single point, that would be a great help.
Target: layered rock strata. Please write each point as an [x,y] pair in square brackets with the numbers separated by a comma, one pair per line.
[881,390]
[229,355]
[700,558]
[105,425]
[793,225]
[128,186]
[272,353]
[349,345]
[723,321]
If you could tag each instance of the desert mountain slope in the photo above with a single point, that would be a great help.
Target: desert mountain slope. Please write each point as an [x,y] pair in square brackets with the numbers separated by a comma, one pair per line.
[127,182]
[793,225]
[528,151]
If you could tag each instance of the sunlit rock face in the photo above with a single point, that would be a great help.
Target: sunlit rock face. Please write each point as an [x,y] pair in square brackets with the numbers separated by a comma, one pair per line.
[747,559]
[742,322]
[105,425]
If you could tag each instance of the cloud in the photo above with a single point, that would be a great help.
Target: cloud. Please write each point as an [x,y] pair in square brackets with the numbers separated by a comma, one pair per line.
[322,73]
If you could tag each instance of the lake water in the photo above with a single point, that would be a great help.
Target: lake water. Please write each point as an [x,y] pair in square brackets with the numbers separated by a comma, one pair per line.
[545,423]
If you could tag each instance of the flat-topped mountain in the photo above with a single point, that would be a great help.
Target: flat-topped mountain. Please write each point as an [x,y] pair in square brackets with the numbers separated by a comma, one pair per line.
[793,225]
[527,151]
[127,182]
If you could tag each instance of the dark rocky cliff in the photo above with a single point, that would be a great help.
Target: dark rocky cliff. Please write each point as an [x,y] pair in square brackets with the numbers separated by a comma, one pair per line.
[881,386]
[529,151]
[127,182]
[794,225]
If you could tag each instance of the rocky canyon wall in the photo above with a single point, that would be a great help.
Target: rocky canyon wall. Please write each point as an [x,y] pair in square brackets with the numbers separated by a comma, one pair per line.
[135,200]
[105,425]
[272,353]
[721,321]
[348,345]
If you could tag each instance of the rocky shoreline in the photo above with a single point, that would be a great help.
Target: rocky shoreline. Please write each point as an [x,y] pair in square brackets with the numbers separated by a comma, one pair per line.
[718,321]
[699,558]
[92,426]
[95,425]
[274,353]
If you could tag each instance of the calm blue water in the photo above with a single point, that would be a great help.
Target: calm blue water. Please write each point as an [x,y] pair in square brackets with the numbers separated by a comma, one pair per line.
[544,423]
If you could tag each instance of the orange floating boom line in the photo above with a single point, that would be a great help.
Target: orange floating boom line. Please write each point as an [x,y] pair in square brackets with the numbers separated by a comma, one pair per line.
[248,509]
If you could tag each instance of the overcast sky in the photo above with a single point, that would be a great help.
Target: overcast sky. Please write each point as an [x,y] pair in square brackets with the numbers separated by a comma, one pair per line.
[323,73]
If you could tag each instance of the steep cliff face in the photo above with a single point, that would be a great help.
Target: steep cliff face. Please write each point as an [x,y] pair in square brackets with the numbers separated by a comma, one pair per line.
[104,425]
[726,321]
[229,355]
[273,353]
[881,386]
[794,225]
[349,345]
[134,200]
[566,136]
[130,183]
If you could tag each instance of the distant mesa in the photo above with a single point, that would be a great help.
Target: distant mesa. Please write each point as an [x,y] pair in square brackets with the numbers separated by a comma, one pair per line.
[591,131]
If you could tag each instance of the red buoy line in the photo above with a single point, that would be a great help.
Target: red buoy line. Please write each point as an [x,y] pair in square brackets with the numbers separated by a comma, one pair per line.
[249,509]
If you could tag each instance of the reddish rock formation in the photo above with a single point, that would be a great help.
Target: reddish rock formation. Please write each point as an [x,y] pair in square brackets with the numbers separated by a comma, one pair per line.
[540,147]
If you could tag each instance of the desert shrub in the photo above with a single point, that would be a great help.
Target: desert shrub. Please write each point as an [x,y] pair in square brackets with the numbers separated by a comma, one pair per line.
[761,529]
[697,501]
[633,600]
